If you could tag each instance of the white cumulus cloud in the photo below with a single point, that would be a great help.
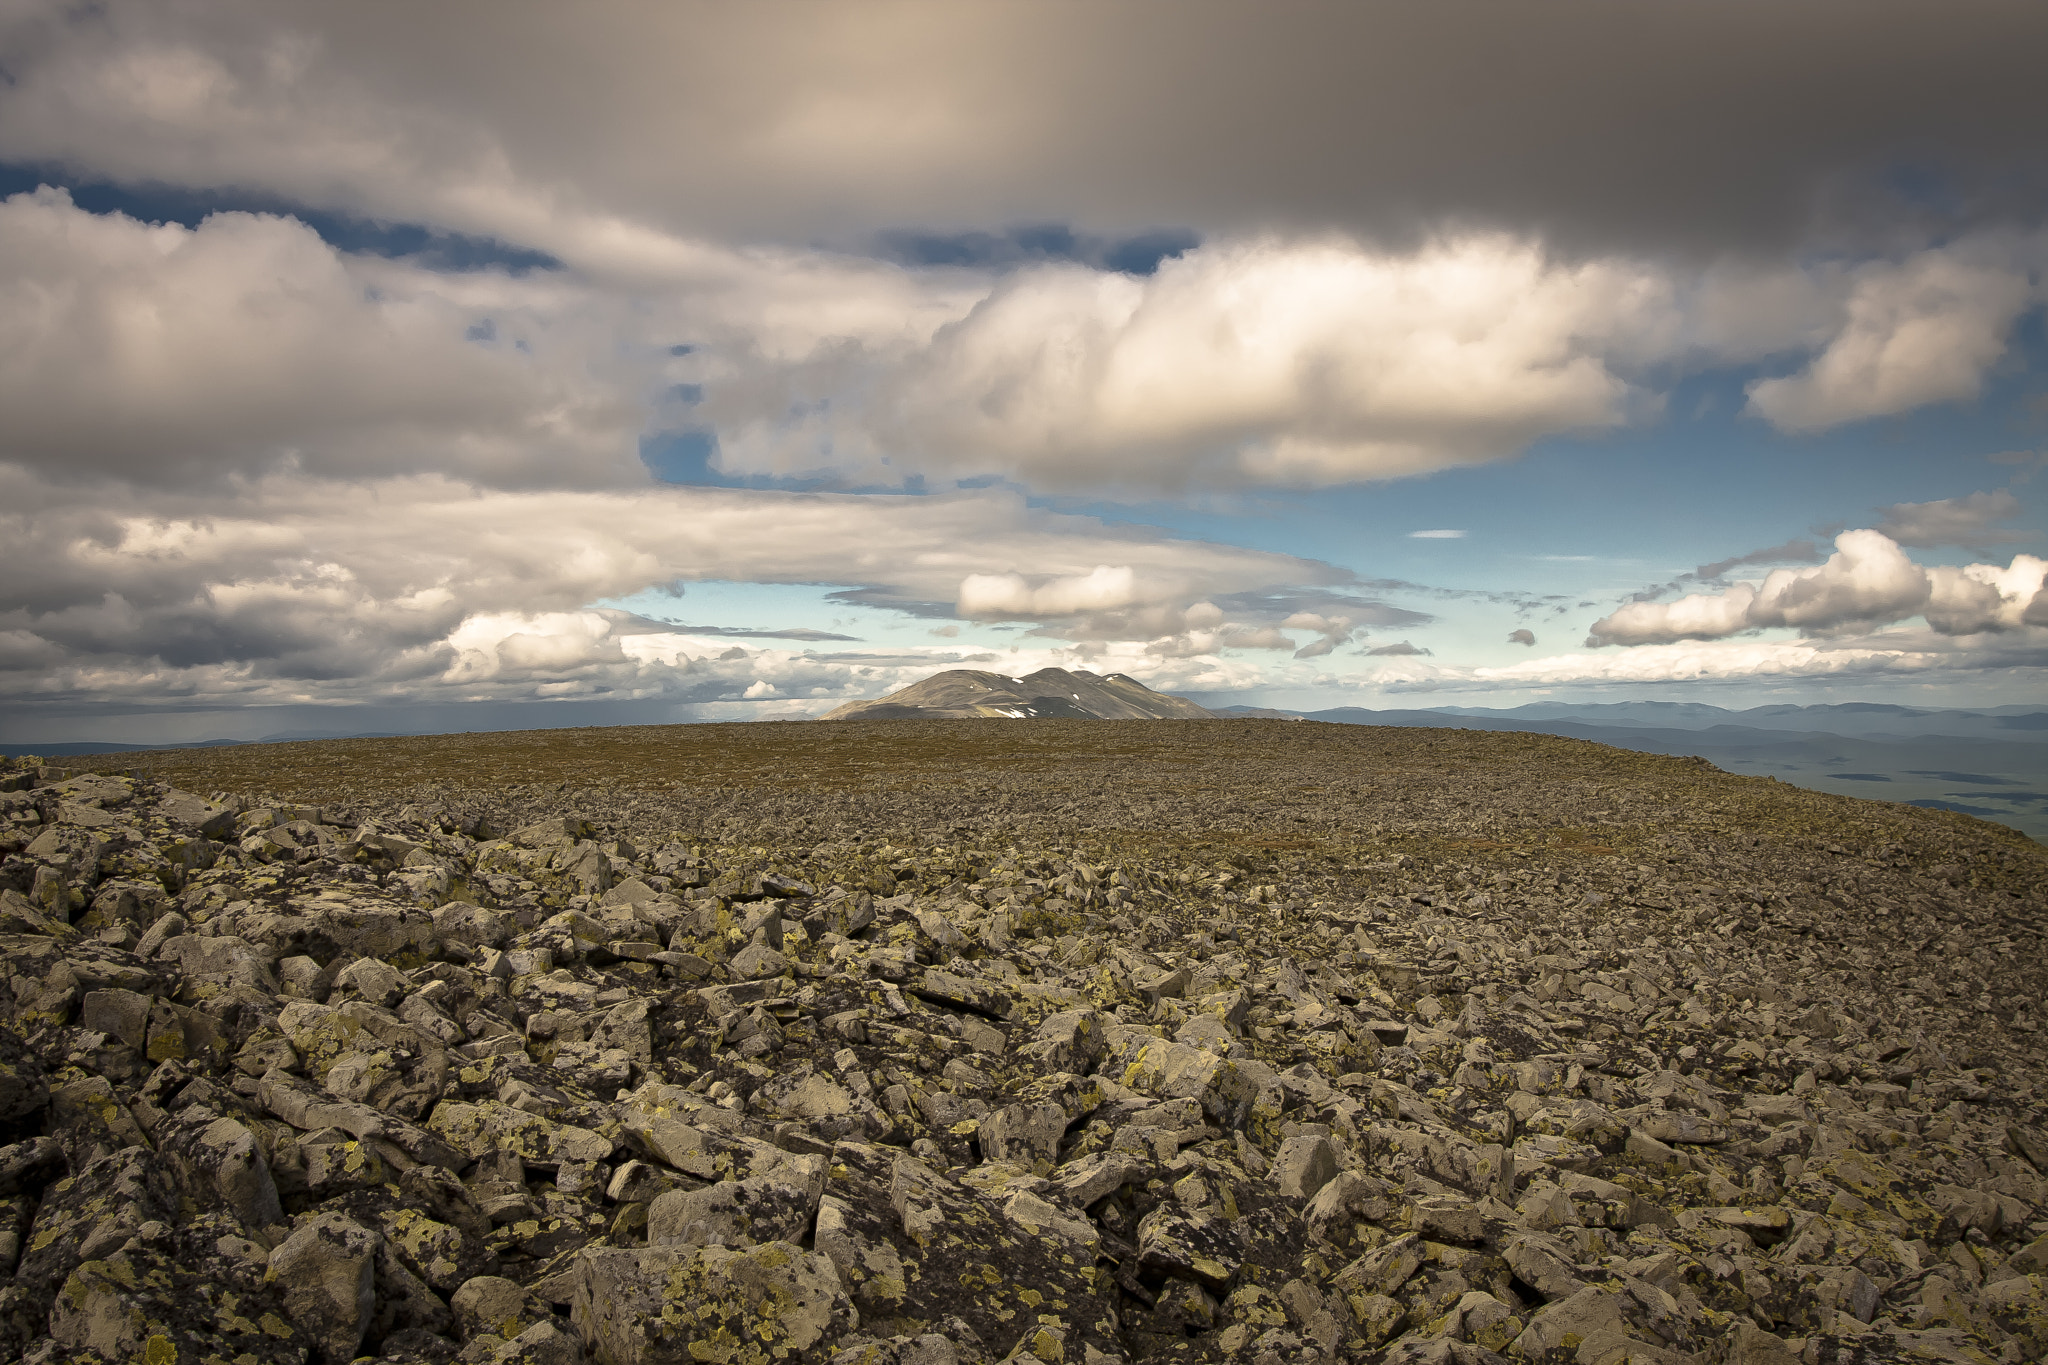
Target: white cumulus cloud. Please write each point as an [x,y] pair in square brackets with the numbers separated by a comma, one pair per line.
[1921,330]
[1011,596]
[1868,581]
[1296,362]
[157,352]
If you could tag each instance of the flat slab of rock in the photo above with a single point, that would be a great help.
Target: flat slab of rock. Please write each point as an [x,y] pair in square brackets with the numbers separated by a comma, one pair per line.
[678,1305]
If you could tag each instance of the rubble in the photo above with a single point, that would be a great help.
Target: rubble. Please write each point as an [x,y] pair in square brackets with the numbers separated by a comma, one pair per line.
[1248,1042]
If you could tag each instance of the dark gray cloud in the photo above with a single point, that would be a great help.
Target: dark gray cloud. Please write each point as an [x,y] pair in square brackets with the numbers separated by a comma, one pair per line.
[1966,522]
[800,633]
[893,601]
[1278,606]
[1522,637]
[1139,254]
[1612,121]
[1791,552]
[1398,649]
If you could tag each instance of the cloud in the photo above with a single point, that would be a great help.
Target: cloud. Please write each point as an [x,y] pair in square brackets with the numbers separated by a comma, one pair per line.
[1868,581]
[1305,605]
[1398,649]
[1302,362]
[1791,552]
[247,343]
[1436,535]
[302,590]
[160,353]
[1308,361]
[800,633]
[1009,596]
[599,126]
[1966,522]
[1330,631]
[1223,622]
[1918,331]
[1522,637]
[1730,661]
[2026,463]
[1924,656]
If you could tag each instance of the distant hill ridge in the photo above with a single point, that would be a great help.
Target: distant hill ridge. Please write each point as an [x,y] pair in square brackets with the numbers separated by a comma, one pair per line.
[1048,694]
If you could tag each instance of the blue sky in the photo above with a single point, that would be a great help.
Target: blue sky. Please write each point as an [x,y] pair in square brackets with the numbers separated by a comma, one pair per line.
[399,371]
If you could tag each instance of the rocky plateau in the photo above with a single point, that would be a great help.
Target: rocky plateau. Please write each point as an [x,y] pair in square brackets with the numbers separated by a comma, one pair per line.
[914,1042]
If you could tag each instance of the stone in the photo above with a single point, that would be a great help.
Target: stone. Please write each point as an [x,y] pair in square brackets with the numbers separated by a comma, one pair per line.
[226,1158]
[2020,1307]
[1484,1321]
[377,982]
[668,1305]
[1044,1219]
[162,1298]
[756,961]
[1303,1166]
[476,1130]
[494,1306]
[1027,1135]
[326,1272]
[1189,1245]
[91,1122]
[1682,1127]
[734,1213]
[1544,1264]
[1095,1177]
[1565,1323]
[90,1215]
[954,991]
[1069,1040]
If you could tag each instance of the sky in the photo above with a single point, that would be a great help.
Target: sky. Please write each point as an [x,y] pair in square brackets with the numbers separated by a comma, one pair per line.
[394,368]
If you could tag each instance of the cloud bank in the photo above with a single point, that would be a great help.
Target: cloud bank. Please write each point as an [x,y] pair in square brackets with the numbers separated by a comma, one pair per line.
[309,590]
[1867,582]
[587,129]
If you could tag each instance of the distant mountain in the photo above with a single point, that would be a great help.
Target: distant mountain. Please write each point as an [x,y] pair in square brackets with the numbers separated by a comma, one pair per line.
[1048,694]
[75,748]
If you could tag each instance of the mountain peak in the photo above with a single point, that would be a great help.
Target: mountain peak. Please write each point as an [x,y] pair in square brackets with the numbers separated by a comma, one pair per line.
[1048,694]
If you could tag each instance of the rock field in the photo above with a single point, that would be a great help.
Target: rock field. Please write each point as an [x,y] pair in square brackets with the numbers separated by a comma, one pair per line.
[907,1043]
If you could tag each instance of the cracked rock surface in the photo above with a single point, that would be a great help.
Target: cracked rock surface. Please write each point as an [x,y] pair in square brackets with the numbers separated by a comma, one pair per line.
[972,1041]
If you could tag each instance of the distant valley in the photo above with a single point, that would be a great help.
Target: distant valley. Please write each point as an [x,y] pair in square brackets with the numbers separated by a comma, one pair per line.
[1990,763]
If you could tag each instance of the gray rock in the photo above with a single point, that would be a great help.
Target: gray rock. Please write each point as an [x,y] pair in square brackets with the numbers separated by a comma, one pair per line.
[492,1305]
[1025,1134]
[733,1213]
[648,1306]
[225,1156]
[1195,1246]
[1083,1182]
[326,1271]
[1303,1166]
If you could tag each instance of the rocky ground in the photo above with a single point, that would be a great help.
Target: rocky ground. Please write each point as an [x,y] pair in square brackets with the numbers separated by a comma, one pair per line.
[982,1040]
